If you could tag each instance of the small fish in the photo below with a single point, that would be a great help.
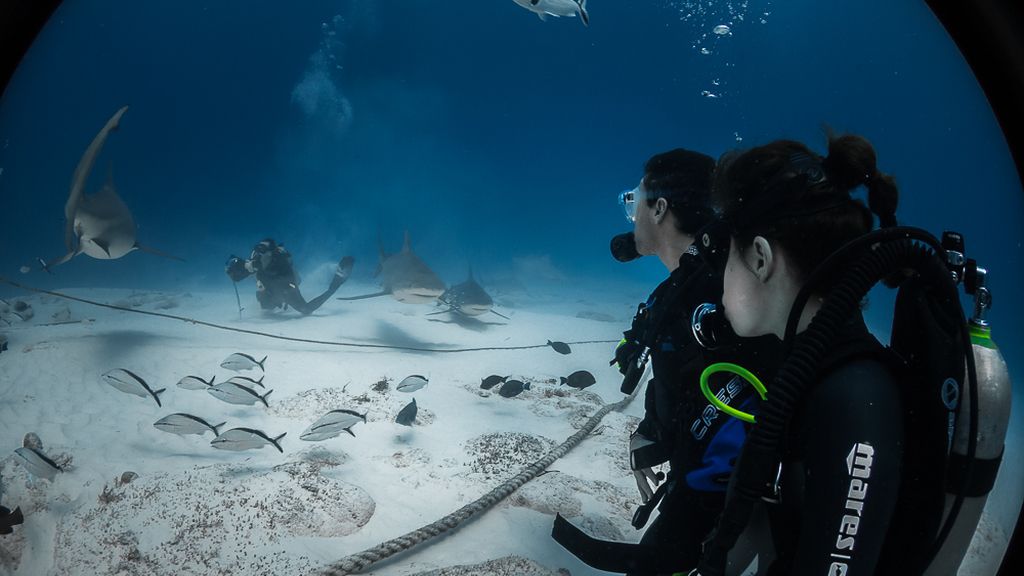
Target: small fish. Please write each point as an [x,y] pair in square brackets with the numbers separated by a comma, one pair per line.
[238,439]
[492,381]
[579,379]
[560,347]
[407,415]
[545,8]
[412,383]
[332,424]
[234,393]
[195,383]
[246,381]
[37,463]
[182,424]
[127,381]
[239,361]
[9,519]
[512,388]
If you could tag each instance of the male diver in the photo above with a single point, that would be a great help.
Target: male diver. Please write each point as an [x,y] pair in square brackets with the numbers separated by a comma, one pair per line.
[277,285]
[667,208]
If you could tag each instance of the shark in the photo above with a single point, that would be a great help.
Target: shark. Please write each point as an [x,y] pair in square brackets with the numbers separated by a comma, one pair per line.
[468,298]
[99,225]
[405,277]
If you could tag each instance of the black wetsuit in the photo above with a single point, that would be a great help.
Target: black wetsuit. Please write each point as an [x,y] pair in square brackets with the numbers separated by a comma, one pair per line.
[841,468]
[277,284]
[700,443]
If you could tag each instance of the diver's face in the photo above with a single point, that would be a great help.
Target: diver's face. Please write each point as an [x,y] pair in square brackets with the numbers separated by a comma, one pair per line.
[743,294]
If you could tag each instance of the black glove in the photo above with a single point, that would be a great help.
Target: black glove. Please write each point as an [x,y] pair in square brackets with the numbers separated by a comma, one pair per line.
[626,352]
[235,269]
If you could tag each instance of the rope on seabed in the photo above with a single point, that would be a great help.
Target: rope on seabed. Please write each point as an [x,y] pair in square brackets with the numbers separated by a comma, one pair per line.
[361,561]
[278,336]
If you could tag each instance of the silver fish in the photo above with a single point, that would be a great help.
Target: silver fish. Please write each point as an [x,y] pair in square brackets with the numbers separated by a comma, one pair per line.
[545,8]
[194,383]
[239,361]
[182,424]
[407,415]
[127,381]
[332,424]
[234,393]
[246,381]
[412,383]
[238,439]
[37,463]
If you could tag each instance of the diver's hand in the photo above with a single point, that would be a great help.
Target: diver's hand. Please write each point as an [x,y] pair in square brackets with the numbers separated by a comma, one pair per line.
[644,478]
[626,353]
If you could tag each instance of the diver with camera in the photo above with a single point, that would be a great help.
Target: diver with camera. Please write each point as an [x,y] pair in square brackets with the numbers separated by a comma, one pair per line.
[277,283]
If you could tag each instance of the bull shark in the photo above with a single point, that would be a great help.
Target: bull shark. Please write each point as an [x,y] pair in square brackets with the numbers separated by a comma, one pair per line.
[468,298]
[405,278]
[98,225]
[545,8]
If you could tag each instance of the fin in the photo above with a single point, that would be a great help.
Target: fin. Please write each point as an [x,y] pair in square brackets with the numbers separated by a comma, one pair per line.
[364,296]
[564,380]
[216,432]
[156,396]
[260,364]
[104,245]
[62,259]
[264,399]
[156,252]
[583,12]
[526,385]
[543,17]
[260,381]
[275,441]
[210,383]
[500,314]
[439,312]
[406,244]
[10,519]
[349,430]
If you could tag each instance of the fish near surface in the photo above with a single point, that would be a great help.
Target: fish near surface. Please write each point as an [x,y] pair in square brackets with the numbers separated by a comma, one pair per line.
[545,8]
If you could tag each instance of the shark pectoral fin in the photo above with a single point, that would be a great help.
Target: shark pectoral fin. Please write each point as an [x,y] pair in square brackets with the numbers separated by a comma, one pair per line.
[439,312]
[61,260]
[500,314]
[156,252]
[543,17]
[103,244]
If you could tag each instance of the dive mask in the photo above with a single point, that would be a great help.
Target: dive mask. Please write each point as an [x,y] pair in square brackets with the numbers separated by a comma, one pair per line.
[628,200]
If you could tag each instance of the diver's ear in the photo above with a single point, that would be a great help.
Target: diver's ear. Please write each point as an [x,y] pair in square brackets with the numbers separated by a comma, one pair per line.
[762,260]
[660,210]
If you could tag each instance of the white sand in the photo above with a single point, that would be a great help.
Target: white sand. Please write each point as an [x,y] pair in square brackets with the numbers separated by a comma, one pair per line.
[197,510]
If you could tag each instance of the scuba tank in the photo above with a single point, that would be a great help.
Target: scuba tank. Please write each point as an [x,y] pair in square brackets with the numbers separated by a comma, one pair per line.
[993,414]
[947,476]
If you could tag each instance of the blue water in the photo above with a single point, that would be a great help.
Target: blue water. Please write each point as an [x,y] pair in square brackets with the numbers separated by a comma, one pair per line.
[488,134]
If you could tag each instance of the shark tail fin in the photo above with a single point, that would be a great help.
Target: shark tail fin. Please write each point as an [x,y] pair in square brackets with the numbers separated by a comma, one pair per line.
[156,396]
[264,398]
[583,12]
[275,441]
[216,429]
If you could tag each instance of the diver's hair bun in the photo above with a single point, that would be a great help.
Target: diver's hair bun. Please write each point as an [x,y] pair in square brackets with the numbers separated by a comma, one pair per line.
[851,163]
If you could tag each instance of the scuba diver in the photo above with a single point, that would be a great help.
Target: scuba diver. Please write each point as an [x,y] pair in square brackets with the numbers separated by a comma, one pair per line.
[854,451]
[277,284]
[667,208]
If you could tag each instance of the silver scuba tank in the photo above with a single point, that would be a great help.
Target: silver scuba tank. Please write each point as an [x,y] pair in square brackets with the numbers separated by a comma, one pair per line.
[994,394]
